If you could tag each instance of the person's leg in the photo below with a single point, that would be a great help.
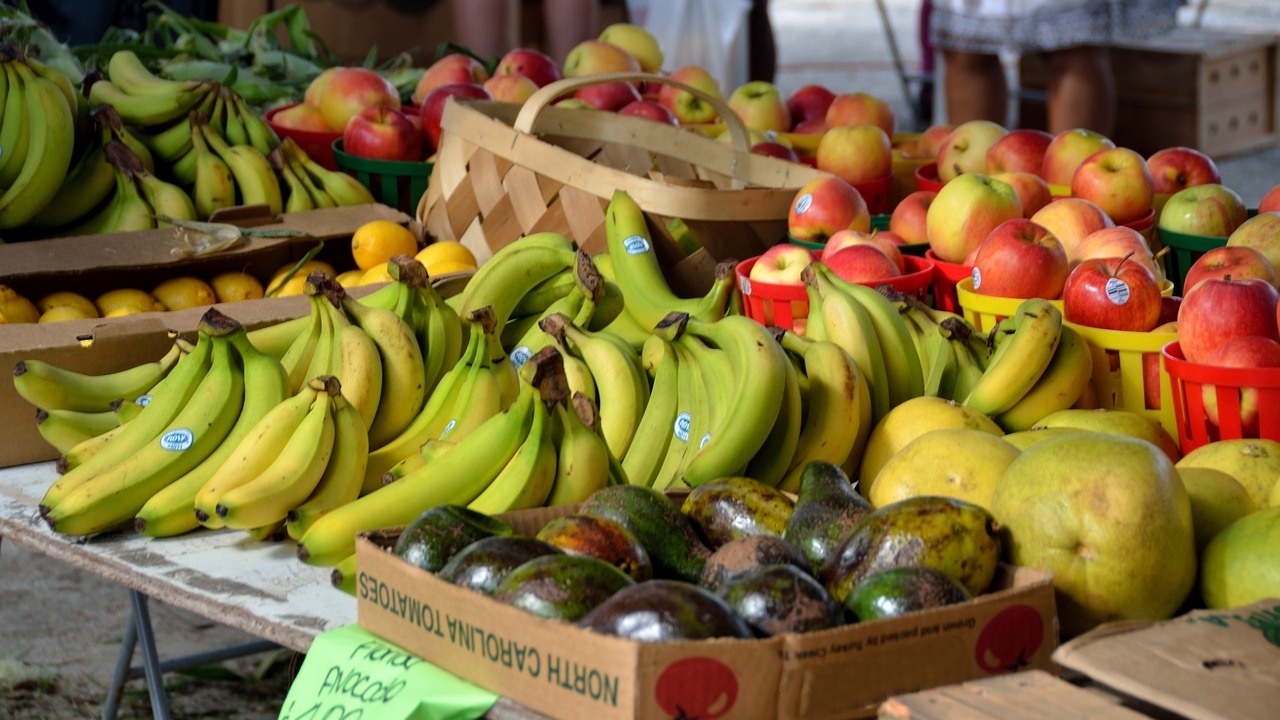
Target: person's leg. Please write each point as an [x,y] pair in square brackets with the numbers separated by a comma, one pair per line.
[1082,92]
[975,87]
[481,26]
[762,50]
[567,23]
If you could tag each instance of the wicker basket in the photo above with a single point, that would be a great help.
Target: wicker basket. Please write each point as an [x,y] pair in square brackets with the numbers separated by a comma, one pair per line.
[503,171]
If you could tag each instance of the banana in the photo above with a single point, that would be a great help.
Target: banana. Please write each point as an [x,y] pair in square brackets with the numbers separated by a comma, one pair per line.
[757,397]
[271,532]
[584,462]
[256,180]
[481,394]
[939,356]
[87,185]
[214,186]
[49,148]
[54,388]
[293,475]
[507,276]
[537,301]
[1020,359]
[232,124]
[298,199]
[407,464]
[440,334]
[148,110]
[770,463]
[128,72]
[323,360]
[171,511]
[115,495]
[343,189]
[648,447]
[64,429]
[15,125]
[254,453]
[172,142]
[166,399]
[534,337]
[166,199]
[276,338]
[526,480]
[85,449]
[343,477]
[834,423]
[845,322]
[458,476]
[344,576]
[970,354]
[260,135]
[358,365]
[403,387]
[505,371]
[287,162]
[297,358]
[691,425]
[1063,382]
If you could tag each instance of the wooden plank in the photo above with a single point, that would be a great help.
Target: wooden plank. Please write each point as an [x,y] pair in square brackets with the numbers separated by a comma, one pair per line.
[1006,697]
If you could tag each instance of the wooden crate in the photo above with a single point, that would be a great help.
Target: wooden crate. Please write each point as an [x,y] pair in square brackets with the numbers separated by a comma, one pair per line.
[1213,91]
[1031,694]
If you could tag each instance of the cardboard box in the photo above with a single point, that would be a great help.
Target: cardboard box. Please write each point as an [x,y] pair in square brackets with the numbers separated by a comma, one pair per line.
[92,264]
[566,672]
[1033,694]
[1213,91]
[1205,665]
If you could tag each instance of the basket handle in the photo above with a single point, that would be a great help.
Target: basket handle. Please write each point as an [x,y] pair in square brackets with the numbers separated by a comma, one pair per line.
[546,95]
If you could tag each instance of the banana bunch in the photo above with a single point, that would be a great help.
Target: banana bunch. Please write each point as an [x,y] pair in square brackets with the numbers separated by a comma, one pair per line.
[545,448]
[953,354]
[38,111]
[870,328]
[309,185]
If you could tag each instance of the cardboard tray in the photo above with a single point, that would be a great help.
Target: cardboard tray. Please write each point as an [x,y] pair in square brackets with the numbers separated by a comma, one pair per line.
[561,670]
[94,263]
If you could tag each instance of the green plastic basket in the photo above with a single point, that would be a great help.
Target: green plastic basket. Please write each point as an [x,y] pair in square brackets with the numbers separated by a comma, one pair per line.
[397,183]
[1184,249]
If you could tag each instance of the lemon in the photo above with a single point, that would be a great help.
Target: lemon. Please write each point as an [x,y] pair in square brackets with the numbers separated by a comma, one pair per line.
[58,313]
[125,301]
[17,308]
[439,254]
[300,277]
[448,267]
[377,241]
[183,292]
[375,274]
[66,297]
[350,278]
[236,286]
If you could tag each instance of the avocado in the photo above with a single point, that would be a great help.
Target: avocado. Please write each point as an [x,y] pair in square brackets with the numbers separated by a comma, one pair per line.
[665,610]
[484,563]
[561,587]
[735,507]
[745,554]
[896,591]
[826,509]
[954,536]
[776,599]
[668,535]
[440,531]
[602,538]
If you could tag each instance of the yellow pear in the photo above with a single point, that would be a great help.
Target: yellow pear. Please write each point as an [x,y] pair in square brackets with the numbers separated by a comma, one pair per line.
[1120,422]
[1217,500]
[1023,439]
[957,463]
[1241,565]
[1253,462]
[1108,515]
[909,420]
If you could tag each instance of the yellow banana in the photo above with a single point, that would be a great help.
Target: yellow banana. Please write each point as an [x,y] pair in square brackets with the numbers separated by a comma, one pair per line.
[403,387]
[166,199]
[583,462]
[85,449]
[293,475]
[260,135]
[256,180]
[54,388]
[846,323]
[834,422]
[342,479]
[525,481]
[644,456]
[87,185]
[506,277]
[64,429]
[15,124]
[343,576]
[358,366]
[1064,380]
[298,199]
[1020,359]
[297,358]
[343,189]
[215,186]
[49,149]
[148,110]
[770,463]
[172,142]
[693,425]
[232,124]
[287,163]
[131,75]
[481,394]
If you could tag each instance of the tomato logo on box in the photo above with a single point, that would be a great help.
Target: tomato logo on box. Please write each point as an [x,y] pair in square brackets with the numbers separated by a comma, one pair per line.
[696,688]
[1009,640]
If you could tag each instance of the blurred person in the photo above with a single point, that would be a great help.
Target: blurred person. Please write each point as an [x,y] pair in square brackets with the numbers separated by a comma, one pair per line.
[1072,35]
[481,25]
[762,52]
[77,22]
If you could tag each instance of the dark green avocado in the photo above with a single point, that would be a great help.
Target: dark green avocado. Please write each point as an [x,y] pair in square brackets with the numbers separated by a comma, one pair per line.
[561,587]
[483,564]
[438,532]
[894,592]
[666,610]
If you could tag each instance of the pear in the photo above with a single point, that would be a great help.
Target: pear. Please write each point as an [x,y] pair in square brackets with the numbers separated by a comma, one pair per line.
[957,463]
[826,509]
[1253,462]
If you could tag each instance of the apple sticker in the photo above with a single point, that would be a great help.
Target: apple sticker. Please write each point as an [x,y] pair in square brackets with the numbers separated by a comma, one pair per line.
[1117,291]
[803,203]
[977,278]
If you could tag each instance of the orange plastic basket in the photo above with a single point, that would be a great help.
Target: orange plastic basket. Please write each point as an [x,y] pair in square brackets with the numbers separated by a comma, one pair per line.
[1190,383]
[317,145]
[1118,371]
[945,276]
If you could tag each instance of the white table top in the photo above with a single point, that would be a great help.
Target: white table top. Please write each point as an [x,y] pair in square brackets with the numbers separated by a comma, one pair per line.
[223,575]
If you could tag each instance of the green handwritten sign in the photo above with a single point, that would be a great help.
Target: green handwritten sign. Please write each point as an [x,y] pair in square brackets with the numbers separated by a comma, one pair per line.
[352,674]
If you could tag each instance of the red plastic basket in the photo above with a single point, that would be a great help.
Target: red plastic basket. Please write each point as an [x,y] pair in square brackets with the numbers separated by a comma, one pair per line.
[1189,383]
[916,278]
[927,177]
[876,193]
[317,145]
[945,276]
[772,303]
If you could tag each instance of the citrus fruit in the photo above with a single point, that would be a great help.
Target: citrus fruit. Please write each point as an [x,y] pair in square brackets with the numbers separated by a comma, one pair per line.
[448,267]
[377,241]
[375,274]
[17,308]
[66,297]
[300,277]
[350,278]
[236,286]
[58,313]
[445,252]
[183,292]
[125,301]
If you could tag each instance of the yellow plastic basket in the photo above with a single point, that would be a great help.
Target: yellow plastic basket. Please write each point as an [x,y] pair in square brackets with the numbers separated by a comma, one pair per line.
[1118,373]
[984,311]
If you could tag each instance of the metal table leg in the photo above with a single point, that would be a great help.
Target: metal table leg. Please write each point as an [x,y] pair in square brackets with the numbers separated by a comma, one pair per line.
[121,676]
[150,658]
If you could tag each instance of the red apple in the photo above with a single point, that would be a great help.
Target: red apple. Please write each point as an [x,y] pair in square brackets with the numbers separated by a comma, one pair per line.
[1210,209]
[860,108]
[533,64]
[315,89]
[1020,259]
[650,109]
[353,89]
[809,102]
[846,238]
[1271,201]
[432,107]
[1247,351]
[862,263]
[510,88]
[1116,241]
[382,133]
[908,219]
[1068,149]
[609,96]
[1071,220]
[1118,181]
[856,153]
[452,68]
[965,211]
[593,57]
[760,106]
[1260,232]
[1175,168]
[1215,311]
[1235,261]
[301,117]
[1019,150]
[812,126]
[689,108]
[823,207]
[1113,294]
[930,141]
[1169,305]
[781,264]
[773,148]
[965,148]
[1032,190]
